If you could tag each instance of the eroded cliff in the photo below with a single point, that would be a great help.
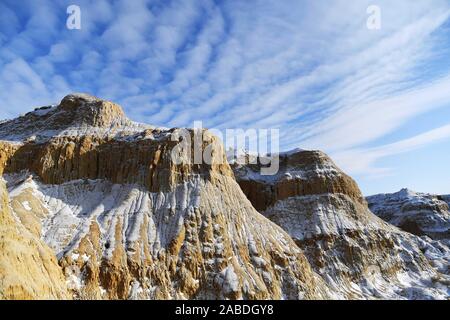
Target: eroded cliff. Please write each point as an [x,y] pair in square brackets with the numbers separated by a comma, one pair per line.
[125,222]
[28,267]
[356,253]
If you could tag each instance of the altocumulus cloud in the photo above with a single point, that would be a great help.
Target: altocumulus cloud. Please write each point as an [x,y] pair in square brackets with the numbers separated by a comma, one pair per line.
[310,68]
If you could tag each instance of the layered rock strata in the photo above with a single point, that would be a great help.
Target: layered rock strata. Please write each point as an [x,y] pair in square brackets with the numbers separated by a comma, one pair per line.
[419,213]
[125,222]
[357,254]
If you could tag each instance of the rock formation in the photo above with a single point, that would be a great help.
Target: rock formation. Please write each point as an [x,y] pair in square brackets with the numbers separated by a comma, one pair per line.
[125,222]
[418,213]
[28,267]
[94,207]
[357,254]
[76,115]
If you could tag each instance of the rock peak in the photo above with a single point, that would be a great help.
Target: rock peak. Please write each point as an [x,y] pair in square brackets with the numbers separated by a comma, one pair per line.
[86,97]
[86,109]
[76,114]
[94,109]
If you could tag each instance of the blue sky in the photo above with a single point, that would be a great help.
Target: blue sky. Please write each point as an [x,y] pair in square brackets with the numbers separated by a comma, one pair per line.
[377,101]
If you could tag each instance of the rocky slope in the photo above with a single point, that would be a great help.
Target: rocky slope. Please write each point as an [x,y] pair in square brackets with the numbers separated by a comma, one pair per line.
[93,207]
[76,115]
[125,222]
[28,267]
[357,254]
[418,213]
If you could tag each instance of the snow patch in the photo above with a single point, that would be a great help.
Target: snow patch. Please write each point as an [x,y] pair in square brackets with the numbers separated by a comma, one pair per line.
[26,205]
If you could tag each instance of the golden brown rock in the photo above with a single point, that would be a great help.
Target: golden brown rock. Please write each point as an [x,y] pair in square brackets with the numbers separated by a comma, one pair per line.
[28,267]
[128,223]
[301,173]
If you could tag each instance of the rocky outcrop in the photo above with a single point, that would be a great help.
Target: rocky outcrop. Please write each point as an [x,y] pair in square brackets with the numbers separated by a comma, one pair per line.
[419,213]
[99,209]
[7,150]
[126,222]
[357,254]
[145,160]
[76,115]
[28,267]
[300,173]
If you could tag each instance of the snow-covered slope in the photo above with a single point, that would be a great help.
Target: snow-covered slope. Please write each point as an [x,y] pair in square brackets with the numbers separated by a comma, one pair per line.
[76,115]
[96,208]
[197,241]
[357,254]
[418,213]
[125,222]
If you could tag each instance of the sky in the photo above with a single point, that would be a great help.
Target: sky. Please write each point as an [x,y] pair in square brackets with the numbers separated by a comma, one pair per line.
[376,100]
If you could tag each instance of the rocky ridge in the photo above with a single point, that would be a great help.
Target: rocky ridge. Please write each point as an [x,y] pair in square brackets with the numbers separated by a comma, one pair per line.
[358,254]
[422,214]
[125,222]
[28,267]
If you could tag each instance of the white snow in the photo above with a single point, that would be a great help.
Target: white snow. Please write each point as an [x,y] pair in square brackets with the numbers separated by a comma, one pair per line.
[26,205]
[75,256]
[135,290]
[73,206]
[44,110]
[228,280]
[429,213]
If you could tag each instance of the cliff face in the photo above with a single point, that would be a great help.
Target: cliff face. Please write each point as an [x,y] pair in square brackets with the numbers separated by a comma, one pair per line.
[95,208]
[76,115]
[301,173]
[125,222]
[28,267]
[357,254]
[418,213]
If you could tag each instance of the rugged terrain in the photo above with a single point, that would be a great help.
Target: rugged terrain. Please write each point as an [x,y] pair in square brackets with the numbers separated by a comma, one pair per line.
[28,267]
[93,207]
[124,222]
[422,214]
[358,254]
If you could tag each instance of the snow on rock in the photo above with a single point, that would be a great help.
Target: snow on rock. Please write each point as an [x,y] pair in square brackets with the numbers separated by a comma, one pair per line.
[418,213]
[117,219]
[358,254]
[76,115]
[103,233]
[344,241]
[228,281]
[26,205]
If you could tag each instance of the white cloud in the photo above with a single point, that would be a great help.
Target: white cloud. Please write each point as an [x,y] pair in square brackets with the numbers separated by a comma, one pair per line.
[363,161]
[363,123]
[311,69]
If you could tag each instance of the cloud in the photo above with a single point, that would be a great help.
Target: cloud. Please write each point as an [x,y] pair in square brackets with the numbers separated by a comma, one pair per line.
[312,69]
[376,119]
[363,161]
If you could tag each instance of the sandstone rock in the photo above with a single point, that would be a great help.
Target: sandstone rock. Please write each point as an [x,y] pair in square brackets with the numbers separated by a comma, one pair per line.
[357,254]
[28,267]
[300,173]
[76,115]
[126,222]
